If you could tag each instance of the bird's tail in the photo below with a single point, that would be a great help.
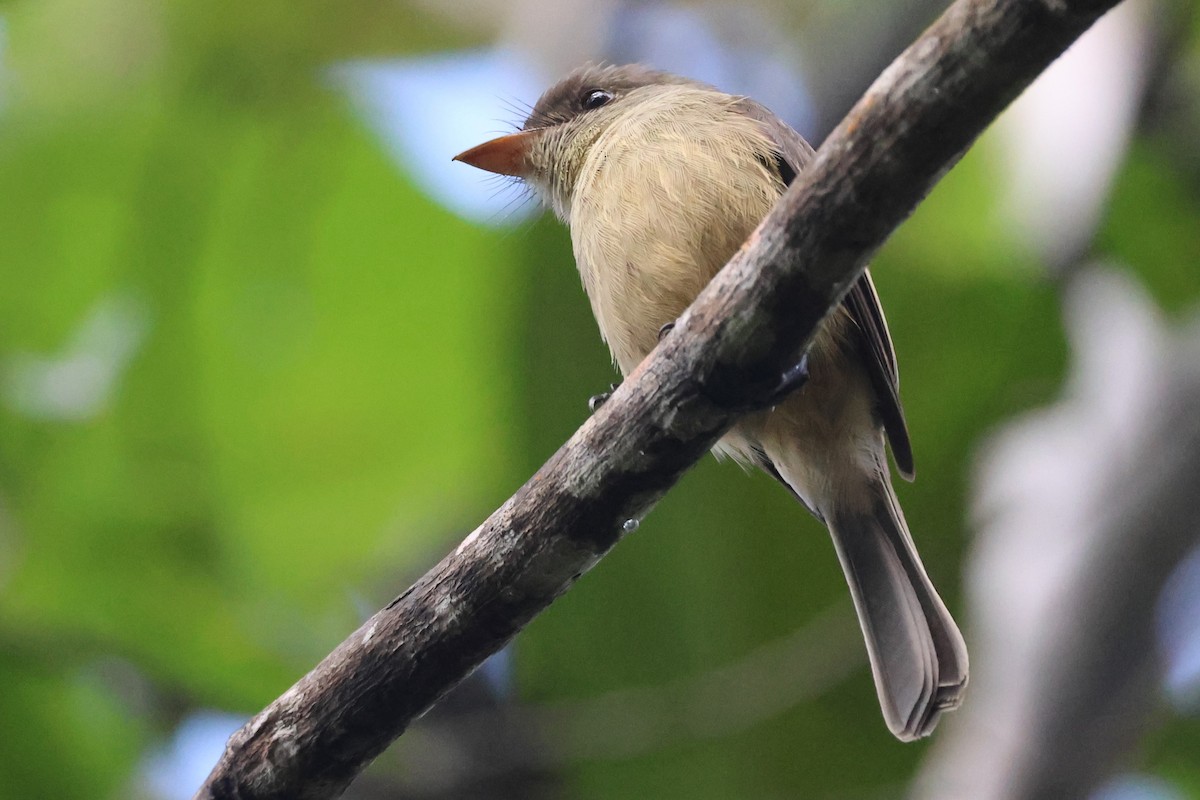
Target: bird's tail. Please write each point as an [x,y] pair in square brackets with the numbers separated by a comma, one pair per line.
[918,656]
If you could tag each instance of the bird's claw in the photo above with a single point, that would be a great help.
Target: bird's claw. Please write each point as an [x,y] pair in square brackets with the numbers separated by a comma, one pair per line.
[791,380]
[665,329]
[597,400]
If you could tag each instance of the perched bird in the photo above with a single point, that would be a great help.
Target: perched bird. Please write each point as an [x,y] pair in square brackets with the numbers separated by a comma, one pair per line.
[661,179]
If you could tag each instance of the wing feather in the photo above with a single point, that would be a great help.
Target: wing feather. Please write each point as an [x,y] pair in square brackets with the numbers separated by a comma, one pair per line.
[861,303]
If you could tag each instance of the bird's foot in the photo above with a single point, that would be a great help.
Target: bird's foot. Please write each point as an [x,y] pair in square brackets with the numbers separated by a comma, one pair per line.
[597,400]
[664,330]
[791,380]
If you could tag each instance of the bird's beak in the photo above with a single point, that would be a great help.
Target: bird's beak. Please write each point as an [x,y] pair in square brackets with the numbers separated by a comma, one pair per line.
[507,155]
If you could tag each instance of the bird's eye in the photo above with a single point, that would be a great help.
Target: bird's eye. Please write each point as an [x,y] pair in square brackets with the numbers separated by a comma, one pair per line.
[594,98]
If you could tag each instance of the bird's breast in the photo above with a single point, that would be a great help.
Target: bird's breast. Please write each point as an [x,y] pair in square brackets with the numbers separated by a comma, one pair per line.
[662,203]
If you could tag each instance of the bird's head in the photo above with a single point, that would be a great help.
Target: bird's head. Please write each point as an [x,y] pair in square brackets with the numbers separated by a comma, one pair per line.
[549,151]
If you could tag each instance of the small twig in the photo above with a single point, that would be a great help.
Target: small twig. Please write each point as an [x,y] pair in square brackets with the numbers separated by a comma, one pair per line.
[725,357]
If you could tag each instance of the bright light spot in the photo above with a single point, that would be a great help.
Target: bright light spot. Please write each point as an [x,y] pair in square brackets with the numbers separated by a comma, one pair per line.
[1067,134]
[428,110]
[175,771]
[497,672]
[1137,787]
[79,382]
[1179,634]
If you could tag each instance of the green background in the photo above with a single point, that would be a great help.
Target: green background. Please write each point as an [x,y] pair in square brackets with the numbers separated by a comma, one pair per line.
[332,380]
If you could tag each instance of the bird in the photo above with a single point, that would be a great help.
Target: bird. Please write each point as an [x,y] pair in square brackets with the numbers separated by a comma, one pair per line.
[660,180]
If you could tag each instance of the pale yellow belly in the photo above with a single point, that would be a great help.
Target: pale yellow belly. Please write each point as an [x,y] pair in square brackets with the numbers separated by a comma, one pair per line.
[659,208]
[651,224]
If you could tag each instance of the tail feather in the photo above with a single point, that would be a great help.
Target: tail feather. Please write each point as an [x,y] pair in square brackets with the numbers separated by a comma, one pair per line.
[918,657]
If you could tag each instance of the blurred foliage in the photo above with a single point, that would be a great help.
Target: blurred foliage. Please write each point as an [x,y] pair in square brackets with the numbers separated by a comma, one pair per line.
[332,379]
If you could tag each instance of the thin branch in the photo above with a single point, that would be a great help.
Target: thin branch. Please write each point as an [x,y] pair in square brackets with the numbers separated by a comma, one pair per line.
[724,358]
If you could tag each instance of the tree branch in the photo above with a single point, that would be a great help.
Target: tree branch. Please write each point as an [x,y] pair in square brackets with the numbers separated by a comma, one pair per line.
[724,358]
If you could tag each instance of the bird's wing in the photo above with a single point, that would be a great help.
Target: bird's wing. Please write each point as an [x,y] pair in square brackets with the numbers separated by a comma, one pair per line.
[861,302]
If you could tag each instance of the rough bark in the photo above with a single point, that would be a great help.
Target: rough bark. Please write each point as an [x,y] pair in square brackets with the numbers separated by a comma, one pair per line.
[724,357]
